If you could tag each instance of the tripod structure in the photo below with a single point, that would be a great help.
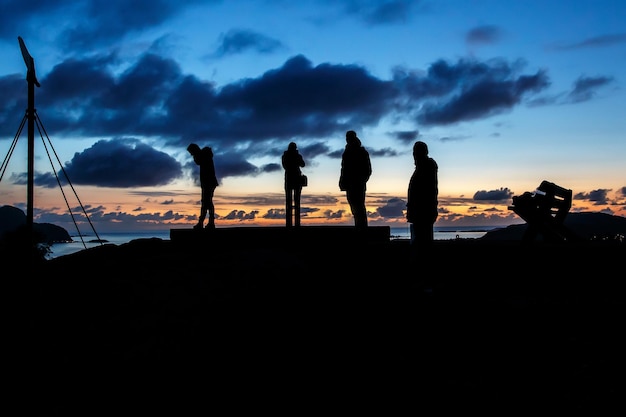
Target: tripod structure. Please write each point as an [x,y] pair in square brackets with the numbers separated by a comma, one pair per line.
[33,119]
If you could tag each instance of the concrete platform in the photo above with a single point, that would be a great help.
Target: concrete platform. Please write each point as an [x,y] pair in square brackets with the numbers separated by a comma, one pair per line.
[277,235]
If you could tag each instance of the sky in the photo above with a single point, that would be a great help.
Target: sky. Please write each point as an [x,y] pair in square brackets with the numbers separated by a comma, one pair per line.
[506,94]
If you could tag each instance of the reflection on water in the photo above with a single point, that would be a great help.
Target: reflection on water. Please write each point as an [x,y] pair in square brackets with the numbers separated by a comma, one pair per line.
[90,241]
[444,233]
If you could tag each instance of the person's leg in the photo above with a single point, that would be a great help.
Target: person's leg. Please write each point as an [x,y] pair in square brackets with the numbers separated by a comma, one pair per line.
[211,209]
[203,210]
[422,232]
[288,206]
[421,250]
[417,237]
[296,202]
[358,207]
[351,203]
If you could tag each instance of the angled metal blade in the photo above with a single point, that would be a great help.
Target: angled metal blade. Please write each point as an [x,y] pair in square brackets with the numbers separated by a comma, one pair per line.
[29,61]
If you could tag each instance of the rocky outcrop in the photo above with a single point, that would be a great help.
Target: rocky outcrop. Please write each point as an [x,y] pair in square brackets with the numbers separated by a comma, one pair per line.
[12,218]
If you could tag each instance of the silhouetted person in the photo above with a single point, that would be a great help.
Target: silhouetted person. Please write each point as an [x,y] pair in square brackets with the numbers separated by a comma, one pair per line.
[421,207]
[292,162]
[208,182]
[356,170]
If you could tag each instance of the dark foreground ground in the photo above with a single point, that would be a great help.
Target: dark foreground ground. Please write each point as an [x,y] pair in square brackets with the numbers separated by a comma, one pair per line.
[155,327]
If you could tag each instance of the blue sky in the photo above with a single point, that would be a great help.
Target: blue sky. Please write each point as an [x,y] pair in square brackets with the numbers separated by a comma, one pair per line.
[505,94]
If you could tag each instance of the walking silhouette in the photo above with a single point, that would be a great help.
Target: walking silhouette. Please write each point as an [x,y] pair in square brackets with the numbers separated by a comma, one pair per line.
[208,182]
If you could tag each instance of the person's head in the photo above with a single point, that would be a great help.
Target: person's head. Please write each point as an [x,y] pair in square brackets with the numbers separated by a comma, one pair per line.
[352,138]
[420,150]
[292,147]
[193,149]
[207,151]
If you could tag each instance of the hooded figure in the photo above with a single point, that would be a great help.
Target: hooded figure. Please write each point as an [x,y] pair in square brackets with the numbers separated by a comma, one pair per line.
[208,182]
[356,169]
[421,207]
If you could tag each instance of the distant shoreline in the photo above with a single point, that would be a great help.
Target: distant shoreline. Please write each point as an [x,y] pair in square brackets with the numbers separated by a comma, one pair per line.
[118,238]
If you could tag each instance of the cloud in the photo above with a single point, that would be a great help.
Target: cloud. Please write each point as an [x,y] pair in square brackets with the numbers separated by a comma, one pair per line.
[597,197]
[331,215]
[467,90]
[501,194]
[113,219]
[153,98]
[485,34]
[121,163]
[375,12]
[584,88]
[406,136]
[241,215]
[240,41]
[98,22]
[593,42]
[392,208]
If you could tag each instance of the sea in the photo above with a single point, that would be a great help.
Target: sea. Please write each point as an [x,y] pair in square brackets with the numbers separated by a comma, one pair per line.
[119,238]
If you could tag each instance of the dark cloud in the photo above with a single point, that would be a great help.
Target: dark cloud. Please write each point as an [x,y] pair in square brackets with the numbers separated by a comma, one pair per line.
[597,197]
[241,215]
[407,137]
[501,194]
[118,163]
[383,152]
[381,12]
[468,89]
[16,15]
[486,34]
[303,99]
[312,150]
[239,41]
[585,88]
[392,208]
[98,22]
[594,42]
[94,23]
[274,214]
[112,220]
[12,102]
[229,164]
[330,214]
[154,100]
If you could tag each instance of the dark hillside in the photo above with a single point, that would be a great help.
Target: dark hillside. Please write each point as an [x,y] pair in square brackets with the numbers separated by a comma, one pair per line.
[587,226]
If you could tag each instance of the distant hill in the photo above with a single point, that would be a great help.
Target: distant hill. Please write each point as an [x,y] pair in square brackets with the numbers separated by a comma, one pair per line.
[587,226]
[12,218]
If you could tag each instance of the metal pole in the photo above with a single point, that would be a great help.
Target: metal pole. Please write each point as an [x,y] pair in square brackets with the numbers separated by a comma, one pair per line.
[31,152]
[31,78]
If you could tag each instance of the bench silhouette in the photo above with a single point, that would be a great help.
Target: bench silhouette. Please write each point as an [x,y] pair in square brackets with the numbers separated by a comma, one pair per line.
[544,211]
